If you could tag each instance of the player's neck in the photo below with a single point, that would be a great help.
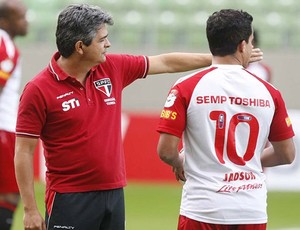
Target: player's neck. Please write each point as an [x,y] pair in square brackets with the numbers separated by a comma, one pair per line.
[226,60]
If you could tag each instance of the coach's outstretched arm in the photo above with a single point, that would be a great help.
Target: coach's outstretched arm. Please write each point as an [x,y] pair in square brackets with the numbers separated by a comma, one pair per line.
[177,62]
[180,62]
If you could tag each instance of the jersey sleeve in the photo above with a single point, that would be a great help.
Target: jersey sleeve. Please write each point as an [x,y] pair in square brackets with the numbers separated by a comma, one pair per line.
[32,112]
[173,116]
[130,67]
[281,126]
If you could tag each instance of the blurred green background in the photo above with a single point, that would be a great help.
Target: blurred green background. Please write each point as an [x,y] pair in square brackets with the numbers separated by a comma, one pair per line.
[172,23]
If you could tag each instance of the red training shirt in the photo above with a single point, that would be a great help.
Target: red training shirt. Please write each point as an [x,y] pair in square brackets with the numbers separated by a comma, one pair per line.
[80,126]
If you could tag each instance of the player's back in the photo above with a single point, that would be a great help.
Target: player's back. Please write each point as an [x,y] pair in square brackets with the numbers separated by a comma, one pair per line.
[229,114]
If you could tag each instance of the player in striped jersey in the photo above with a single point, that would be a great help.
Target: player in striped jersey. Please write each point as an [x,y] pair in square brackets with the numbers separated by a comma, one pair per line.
[13,23]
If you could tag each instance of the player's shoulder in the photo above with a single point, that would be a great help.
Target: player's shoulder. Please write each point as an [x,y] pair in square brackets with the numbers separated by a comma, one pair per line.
[116,61]
[4,35]
[195,76]
[7,45]
[115,57]
[41,79]
[6,39]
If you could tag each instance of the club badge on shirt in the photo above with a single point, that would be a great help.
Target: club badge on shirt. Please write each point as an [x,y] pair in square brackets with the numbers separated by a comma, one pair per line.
[171,98]
[104,85]
[6,67]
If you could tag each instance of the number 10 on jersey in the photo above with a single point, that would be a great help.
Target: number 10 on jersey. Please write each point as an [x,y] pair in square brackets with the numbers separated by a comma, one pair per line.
[221,120]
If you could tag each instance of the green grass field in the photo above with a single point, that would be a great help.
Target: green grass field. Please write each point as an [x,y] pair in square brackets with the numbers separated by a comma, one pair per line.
[155,206]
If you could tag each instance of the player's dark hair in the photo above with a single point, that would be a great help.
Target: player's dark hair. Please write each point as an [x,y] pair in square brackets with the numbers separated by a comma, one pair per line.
[7,8]
[79,22]
[4,9]
[226,29]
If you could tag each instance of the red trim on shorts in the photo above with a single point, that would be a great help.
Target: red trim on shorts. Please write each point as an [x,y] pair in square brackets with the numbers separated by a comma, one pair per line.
[7,205]
[185,223]
[50,201]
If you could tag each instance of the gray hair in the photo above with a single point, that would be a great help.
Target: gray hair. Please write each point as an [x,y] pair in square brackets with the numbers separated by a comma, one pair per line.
[79,22]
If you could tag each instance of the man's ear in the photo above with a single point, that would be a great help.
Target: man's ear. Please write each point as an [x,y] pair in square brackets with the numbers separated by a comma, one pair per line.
[79,47]
[242,46]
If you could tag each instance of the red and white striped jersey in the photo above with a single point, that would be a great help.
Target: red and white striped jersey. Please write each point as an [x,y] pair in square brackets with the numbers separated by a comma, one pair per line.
[10,80]
[226,115]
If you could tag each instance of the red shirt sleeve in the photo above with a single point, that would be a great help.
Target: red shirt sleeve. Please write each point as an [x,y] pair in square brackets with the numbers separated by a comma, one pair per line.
[173,115]
[32,112]
[129,66]
[281,126]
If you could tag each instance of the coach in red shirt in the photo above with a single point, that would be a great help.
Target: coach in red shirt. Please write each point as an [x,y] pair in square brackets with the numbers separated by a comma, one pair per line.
[74,107]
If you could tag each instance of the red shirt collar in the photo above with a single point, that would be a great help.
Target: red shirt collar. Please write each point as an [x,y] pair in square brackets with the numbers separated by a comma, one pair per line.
[53,67]
[57,72]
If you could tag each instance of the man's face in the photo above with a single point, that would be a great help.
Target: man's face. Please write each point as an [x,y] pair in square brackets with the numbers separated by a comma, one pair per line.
[96,51]
[18,24]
